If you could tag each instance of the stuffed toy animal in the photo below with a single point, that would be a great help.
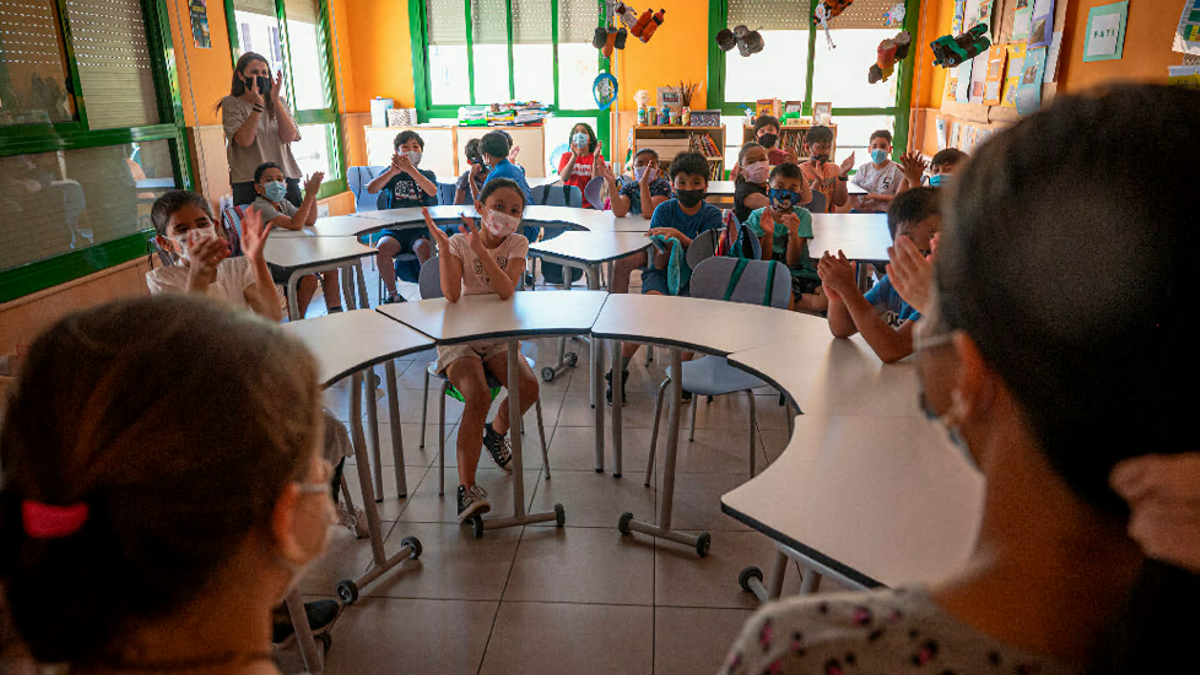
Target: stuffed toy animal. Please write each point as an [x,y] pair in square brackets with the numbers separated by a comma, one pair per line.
[747,41]
[887,54]
[950,52]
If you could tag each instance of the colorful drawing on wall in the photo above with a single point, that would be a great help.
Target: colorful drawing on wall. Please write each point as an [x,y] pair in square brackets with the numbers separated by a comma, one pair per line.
[199,13]
[960,10]
[941,133]
[955,130]
[1052,54]
[1012,74]
[1041,29]
[1106,32]
[997,55]
[984,15]
[1029,91]
[1187,34]
[1021,20]
[962,93]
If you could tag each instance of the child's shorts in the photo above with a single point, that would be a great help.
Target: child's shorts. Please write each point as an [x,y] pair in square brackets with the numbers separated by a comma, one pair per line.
[804,286]
[483,350]
[656,280]
[407,237]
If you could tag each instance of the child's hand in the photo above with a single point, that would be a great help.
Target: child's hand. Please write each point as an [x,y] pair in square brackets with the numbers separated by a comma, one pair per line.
[791,156]
[439,235]
[404,164]
[1163,492]
[837,275]
[914,166]
[668,232]
[254,235]
[933,246]
[512,155]
[792,222]
[205,254]
[603,170]
[277,87]
[767,222]
[847,164]
[474,239]
[396,161]
[313,184]
[737,171]
[475,170]
[911,273]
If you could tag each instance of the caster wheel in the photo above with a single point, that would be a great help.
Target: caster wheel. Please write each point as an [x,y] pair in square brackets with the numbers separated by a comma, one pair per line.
[326,641]
[702,544]
[560,515]
[414,547]
[477,527]
[347,592]
[571,358]
[623,523]
[375,380]
[746,575]
[547,374]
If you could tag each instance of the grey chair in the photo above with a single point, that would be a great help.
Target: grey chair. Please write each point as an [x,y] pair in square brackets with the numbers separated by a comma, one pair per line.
[759,282]
[430,282]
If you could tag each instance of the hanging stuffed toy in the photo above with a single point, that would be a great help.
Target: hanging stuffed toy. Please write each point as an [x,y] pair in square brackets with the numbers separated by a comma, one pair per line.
[604,90]
[827,10]
[894,17]
[887,54]
[605,39]
[647,24]
[747,41]
[949,52]
[628,15]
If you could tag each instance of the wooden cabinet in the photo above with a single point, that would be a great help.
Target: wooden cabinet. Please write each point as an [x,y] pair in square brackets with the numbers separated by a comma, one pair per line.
[445,147]
[671,140]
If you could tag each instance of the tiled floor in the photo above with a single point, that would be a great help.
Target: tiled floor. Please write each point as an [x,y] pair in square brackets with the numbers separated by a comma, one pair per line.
[539,599]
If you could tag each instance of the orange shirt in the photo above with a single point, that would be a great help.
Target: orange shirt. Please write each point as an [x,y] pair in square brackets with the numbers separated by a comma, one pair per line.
[824,179]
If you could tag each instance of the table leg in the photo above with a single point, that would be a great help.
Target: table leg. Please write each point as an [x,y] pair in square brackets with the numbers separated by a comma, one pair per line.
[364,301]
[751,578]
[347,289]
[373,437]
[519,517]
[309,653]
[362,464]
[397,437]
[563,362]
[663,529]
[618,403]
[596,367]
[862,275]
[293,306]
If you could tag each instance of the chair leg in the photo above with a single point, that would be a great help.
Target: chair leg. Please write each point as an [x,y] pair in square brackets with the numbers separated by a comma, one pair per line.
[346,493]
[753,422]
[424,409]
[649,354]
[692,429]
[542,435]
[791,419]
[658,403]
[442,439]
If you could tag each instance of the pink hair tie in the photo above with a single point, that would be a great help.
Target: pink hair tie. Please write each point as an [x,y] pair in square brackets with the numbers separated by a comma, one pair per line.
[47,521]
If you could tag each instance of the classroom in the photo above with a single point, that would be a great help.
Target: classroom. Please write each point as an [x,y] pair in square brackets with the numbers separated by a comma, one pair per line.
[585,336]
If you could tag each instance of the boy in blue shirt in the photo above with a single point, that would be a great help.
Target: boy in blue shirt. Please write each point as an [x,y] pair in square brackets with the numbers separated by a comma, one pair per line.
[494,147]
[682,219]
[403,186]
[885,320]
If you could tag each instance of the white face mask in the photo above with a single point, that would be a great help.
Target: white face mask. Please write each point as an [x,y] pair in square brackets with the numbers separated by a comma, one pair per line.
[757,172]
[199,234]
[298,571]
[414,157]
[639,171]
[500,224]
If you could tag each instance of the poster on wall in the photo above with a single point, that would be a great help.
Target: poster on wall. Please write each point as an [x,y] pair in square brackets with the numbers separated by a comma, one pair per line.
[984,15]
[1029,91]
[955,130]
[1105,32]
[1022,16]
[1052,57]
[941,133]
[997,55]
[960,10]
[962,92]
[1012,75]
[1041,30]
[979,71]
[199,13]
[1187,34]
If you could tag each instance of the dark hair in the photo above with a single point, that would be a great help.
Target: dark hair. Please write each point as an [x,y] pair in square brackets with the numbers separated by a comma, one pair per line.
[881,133]
[590,132]
[746,147]
[786,170]
[113,410]
[170,202]
[406,136]
[262,168]
[765,121]
[818,134]
[501,184]
[238,87]
[472,150]
[911,207]
[1080,348]
[949,156]
[646,151]
[691,163]
[495,144]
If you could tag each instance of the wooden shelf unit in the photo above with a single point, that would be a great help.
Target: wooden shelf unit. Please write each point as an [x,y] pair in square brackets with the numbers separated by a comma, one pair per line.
[792,136]
[674,139]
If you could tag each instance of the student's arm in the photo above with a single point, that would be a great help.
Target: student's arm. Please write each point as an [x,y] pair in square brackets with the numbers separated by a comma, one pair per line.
[566,164]
[765,223]
[755,201]
[837,278]
[654,202]
[261,295]
[913,166]
[619,202]
[288,131]
[847,302]
[204,255]
[795,243]
[840,195]
[405,165]
[307,213]
[384,178]
[242,130]
[449,264]
[502,283]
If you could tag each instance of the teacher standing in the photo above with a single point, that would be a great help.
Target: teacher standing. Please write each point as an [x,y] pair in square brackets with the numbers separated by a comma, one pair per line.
[258,128]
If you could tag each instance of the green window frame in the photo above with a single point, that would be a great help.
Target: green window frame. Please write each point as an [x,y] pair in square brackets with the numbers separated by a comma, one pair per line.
[426,111]
[23,139]
[329,115]
[718,16]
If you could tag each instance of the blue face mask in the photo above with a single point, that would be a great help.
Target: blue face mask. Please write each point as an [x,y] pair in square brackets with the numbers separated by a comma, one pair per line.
[579,140]
[783,200]
[275,191]
[939,180]
[878,156]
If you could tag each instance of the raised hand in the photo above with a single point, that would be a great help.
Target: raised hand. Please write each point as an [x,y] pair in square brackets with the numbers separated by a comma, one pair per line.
[475,169]
[396,161]
[254,234]
[439,235]
[251,85]
[402,163]
[277,87]
[911,273]
[914,166]
[1163,492]
[603,170]
[512,155]
[313,184]
[792,222]
[837,275]
[474,238]
[790,155]
[847,164]
[767,222]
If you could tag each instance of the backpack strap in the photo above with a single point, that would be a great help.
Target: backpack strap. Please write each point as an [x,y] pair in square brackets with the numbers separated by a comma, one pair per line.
[566,189]
[735,277]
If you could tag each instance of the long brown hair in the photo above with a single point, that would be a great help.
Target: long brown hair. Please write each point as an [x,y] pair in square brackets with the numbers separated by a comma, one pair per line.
[176,423]
[238,87]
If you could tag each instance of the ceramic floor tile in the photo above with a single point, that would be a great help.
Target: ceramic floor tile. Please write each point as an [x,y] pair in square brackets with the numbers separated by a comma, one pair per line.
[385,635]
[410,407]
[771,415]
[392,505]
[453,564]
[574,448]
[579,564]
[578,412]
[576,639]
[697,503]
[345,558]
[774,442]
[426,506]
[724,450]
[414,455]
[681,579]
[694,640]
[592,499]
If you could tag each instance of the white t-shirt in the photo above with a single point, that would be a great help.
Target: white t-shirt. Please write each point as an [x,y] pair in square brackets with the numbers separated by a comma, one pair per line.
[474,277]
[234,276]
[877,181]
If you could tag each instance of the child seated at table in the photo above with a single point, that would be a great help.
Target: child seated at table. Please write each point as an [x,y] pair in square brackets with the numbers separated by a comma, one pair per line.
[750,176]
[279,213]
[826,177]
[766,134]
[880,177]
[677,222]
[629,194]
[882,316]
[403,186]
[943,165]
[785,228]
[495,147]
[481,260]
[466,190]
[577,165]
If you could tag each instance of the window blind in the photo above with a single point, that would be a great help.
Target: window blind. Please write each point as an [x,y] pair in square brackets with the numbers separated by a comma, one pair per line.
[109,37]
[300,10]
[263,7]
[771,14]
[447,22]
[531,22]
[489,22]
[577,20]
[33,74]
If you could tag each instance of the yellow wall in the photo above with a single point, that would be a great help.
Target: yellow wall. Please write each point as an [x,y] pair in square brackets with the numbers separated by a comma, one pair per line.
[678,50]
[1147,51]
[380,51]
[204,74]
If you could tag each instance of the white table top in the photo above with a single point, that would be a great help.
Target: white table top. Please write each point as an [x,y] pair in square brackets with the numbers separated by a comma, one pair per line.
[709,326]
[301,251]
[562,216]
[861,236]
[347,342]
[879,500]
[725,188]
[592,247]
[486,317]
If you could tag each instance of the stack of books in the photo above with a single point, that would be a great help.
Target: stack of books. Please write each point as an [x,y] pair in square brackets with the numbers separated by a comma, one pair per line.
[517,113]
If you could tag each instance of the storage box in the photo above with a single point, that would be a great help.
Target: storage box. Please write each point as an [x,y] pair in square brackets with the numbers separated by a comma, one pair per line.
[706,118]
[402,117]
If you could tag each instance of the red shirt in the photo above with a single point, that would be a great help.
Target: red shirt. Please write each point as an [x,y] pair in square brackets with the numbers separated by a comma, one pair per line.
[581,173]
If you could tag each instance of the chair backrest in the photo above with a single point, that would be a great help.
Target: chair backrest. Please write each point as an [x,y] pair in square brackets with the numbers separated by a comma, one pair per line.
[703,247]
[164,257]
[231,220]
[712,279]
[558,195]
[446,192]
[357,179]
[817,205]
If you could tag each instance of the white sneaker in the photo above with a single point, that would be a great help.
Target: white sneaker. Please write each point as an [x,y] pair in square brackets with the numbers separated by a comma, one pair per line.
[356,522]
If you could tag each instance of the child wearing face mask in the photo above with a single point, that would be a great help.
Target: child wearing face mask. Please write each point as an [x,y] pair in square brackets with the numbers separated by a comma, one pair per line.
[466,190]
[496,147]
[282,214]
[646,186]
[880,177]
[577,164]
[766,134]
[826,177]
[941,167]
[481,260]
[784,228]
[403,186]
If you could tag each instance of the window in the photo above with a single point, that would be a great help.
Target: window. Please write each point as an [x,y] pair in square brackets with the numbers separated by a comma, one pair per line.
[797,64]
[77,179]
[292,35]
